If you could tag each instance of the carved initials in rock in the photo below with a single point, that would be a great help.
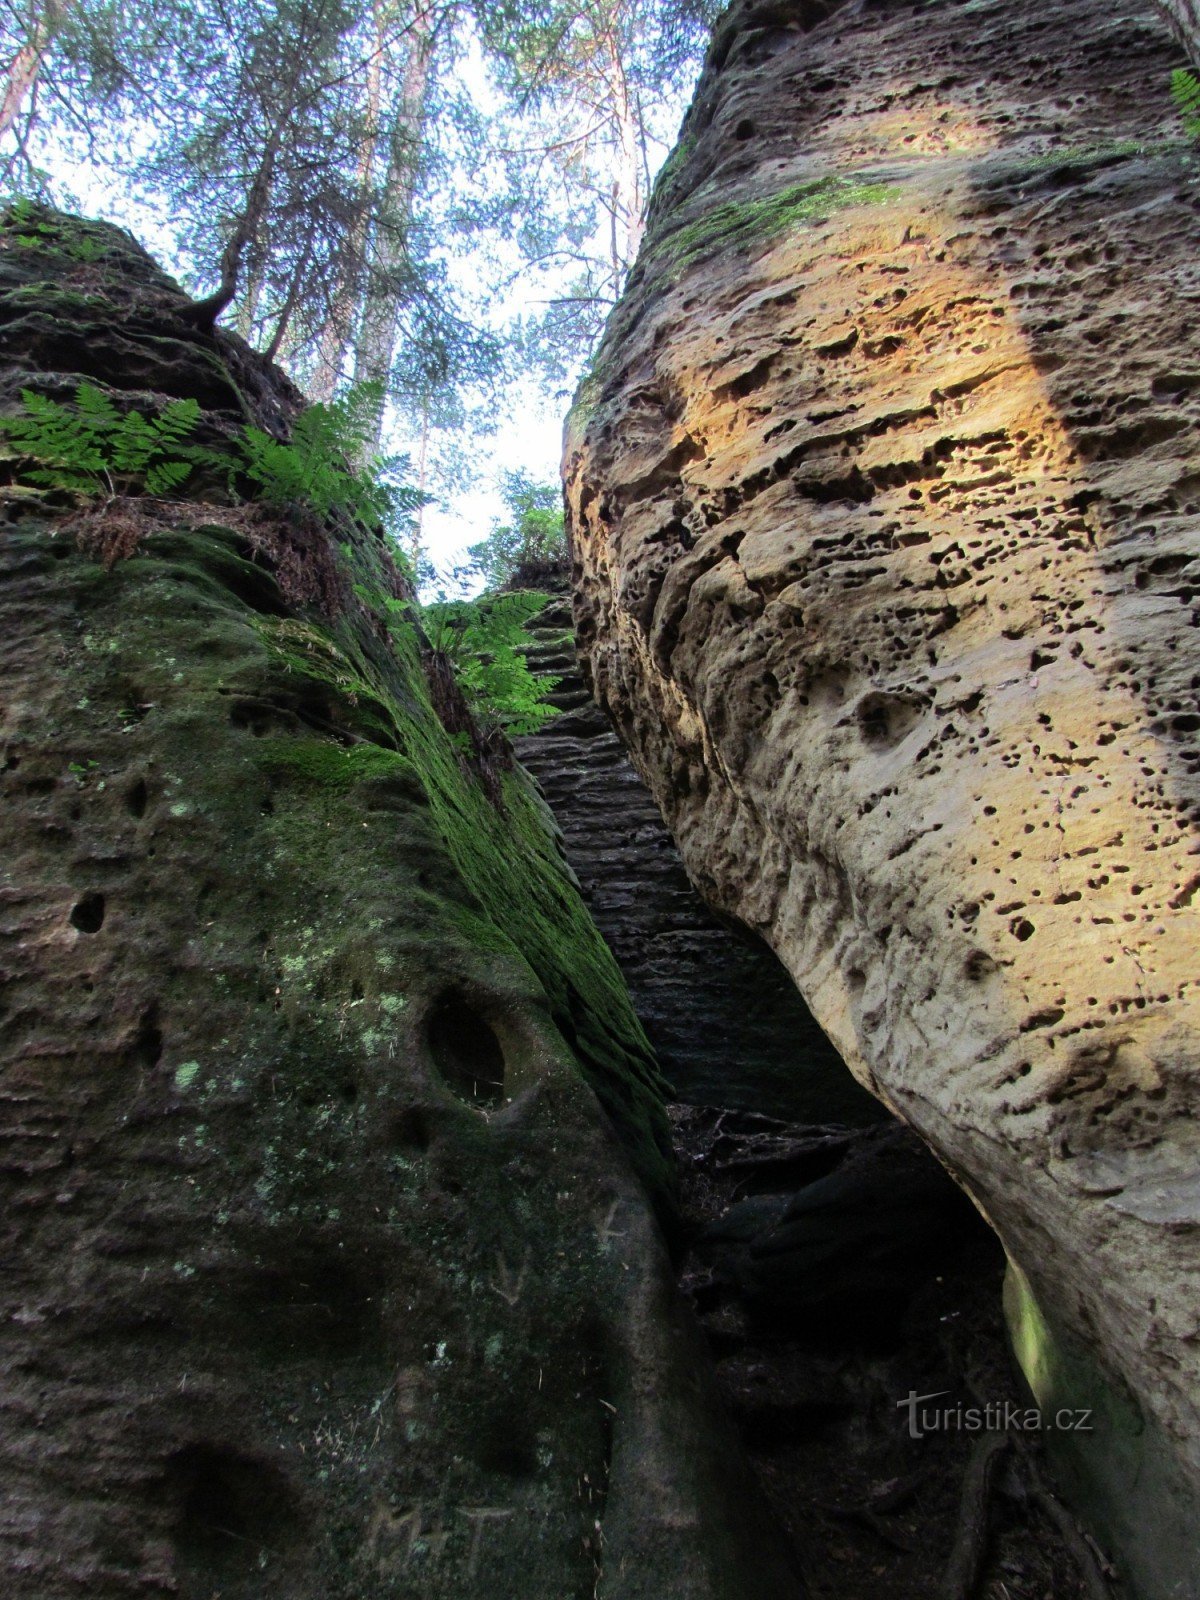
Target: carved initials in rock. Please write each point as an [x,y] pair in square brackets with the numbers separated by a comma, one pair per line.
[509,1288]
[394,1539]
[605,1230]
[387,1531]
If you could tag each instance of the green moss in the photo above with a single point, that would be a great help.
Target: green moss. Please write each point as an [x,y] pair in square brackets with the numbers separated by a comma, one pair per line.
[745,223]
[671,169]
[332,765]
[736,225]
[34,227]
[497,885]
[52,299]
[377,822]
[185,1074]
[587,398]
[1080,160]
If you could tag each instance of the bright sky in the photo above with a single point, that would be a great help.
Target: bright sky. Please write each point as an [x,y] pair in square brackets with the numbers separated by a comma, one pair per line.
[531,439]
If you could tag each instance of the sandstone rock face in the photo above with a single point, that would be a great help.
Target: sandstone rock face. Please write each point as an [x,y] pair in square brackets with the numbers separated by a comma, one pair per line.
[883,498]
[325,1273]
[1183,17]
[727,1025]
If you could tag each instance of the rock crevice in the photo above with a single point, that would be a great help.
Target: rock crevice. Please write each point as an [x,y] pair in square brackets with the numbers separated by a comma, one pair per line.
[726,1023]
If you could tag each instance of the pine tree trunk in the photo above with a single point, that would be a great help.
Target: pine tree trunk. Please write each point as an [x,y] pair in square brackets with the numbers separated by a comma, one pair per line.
[337,335]
[24,67]
[376,345]
[628,193]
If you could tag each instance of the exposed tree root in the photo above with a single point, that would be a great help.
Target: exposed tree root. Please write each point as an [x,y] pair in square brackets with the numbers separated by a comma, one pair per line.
[963,1569]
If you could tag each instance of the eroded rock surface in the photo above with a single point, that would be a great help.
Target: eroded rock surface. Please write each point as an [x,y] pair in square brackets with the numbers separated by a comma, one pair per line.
[722,1014]
[884,500]
[325,1273]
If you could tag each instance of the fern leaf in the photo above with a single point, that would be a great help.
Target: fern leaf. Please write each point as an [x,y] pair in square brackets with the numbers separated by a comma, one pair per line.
[176,420]
[166,475]
[92,402]
[486,641]
[37,405]
[132,444]
[1185,91]
[199,455]
[73,479]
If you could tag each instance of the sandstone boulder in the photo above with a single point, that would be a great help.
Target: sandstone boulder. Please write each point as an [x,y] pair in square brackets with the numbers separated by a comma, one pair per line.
[884,503]
[326,1268]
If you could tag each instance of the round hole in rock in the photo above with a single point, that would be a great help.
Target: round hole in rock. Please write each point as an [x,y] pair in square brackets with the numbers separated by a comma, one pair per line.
[506,1446]
[467,1052]
[145,1052]
[87,914]
[231,1508]
[410,1129]
[136,798]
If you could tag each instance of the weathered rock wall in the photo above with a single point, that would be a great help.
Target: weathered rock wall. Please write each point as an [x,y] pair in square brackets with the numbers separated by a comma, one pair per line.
[883,499]
[325,1274]
[725,1020]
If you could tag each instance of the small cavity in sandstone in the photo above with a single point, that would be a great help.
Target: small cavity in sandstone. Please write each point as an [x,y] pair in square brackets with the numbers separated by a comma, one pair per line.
[467,1053]
[232,1508]
[135,799]
[87,914]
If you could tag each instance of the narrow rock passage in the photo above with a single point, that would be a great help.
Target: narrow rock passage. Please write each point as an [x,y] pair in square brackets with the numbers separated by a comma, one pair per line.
[833,1266]
[835,1272]
[725,1019]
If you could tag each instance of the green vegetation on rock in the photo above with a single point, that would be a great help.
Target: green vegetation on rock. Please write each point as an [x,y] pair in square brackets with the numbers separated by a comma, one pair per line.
[92,447]
[322,464]
[518,551]
[758,222]
[307,739]
[1185,91]
[485,641]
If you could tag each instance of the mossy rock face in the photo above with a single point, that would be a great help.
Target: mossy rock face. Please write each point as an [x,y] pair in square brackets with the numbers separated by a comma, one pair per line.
[754,223]
[1109,1452]
[329,1271]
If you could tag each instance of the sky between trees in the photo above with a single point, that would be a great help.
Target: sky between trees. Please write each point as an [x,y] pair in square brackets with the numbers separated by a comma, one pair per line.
[442,197]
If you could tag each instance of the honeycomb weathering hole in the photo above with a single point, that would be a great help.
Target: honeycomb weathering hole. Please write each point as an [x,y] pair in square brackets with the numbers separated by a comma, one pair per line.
[87,914]
[230,1509]
[467,1053]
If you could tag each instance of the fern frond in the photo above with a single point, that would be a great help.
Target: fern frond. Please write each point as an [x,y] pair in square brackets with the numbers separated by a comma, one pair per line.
[73,480]
[93,403]
[166,475]
[37,405]
[82,447]
[486,640]
[176,420]
[132,444]
[1185,92]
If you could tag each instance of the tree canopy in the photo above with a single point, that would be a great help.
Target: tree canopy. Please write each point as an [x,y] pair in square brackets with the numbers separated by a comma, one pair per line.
[428,198]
